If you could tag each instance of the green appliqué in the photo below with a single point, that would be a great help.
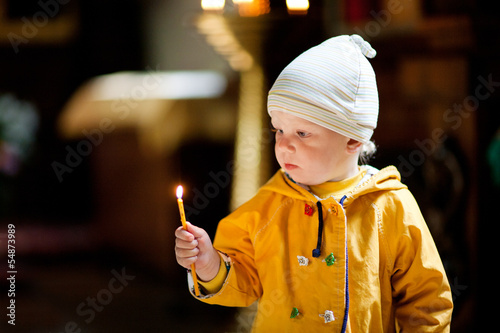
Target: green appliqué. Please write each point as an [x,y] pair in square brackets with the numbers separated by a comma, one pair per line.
[330,260]
[295,313]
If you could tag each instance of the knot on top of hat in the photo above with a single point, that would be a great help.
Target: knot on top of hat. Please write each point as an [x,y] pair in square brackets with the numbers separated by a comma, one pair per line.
[364,46]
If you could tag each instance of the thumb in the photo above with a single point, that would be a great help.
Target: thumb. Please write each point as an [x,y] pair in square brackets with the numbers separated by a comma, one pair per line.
[202,237]
[196,231]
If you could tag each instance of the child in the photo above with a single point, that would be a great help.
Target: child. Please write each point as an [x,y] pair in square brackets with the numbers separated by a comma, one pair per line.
[325,244]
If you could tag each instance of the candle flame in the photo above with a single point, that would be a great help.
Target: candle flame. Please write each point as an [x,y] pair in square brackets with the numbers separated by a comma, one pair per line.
[180,191]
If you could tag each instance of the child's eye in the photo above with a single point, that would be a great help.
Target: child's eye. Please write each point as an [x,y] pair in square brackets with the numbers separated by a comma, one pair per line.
[302,134]
[277,130]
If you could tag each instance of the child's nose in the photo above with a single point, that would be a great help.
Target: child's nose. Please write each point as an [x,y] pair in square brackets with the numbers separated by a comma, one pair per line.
[285,144]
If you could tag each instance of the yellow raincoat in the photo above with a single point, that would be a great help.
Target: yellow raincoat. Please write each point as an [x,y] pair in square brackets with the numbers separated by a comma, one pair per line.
[378,269]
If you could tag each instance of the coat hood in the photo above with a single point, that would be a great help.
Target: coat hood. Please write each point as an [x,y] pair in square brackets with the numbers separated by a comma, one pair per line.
[374,181]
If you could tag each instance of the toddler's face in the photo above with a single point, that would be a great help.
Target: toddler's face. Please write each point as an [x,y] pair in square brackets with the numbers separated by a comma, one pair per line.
[309,153]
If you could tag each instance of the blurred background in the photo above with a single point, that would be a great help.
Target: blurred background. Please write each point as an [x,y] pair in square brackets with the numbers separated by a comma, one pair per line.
[106,106]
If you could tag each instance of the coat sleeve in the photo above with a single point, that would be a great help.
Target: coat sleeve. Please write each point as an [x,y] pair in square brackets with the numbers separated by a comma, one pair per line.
[242,285]
[421,291]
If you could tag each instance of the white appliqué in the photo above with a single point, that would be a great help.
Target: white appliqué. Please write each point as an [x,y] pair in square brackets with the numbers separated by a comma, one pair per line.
[303,261]
[328,316]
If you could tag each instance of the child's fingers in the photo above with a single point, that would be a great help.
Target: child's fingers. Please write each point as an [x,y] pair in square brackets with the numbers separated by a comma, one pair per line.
[185,235]
[186,262]
[186,257]
[183,244]
[186,250]
[186,253]
[192,244]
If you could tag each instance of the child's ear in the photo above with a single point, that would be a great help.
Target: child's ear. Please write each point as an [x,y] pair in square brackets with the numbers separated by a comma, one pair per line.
[354,146]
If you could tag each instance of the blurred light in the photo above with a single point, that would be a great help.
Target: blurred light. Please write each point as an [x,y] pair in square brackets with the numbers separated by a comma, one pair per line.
[241,61]
[212,5]
[220,36]
[249,137]
[253,7]
[160,85]
[297,7]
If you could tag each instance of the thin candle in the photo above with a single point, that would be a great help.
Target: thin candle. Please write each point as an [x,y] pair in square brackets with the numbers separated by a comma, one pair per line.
[184,225]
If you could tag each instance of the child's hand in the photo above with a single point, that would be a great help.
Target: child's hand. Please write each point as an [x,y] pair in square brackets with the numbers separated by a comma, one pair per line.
[194,246]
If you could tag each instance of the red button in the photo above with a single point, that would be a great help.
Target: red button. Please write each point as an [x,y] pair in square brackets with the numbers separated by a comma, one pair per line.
[308,210]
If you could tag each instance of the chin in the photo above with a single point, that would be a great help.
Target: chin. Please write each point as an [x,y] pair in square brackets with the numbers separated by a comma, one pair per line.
[306,180]
[298,179]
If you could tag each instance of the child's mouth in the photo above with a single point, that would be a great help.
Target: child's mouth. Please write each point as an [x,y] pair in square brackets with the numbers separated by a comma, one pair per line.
[289,166]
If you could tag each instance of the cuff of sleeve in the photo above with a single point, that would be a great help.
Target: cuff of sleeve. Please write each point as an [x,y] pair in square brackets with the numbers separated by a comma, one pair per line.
[214,285]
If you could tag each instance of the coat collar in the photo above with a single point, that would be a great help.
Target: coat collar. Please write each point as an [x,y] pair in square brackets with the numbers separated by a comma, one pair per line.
[374,180]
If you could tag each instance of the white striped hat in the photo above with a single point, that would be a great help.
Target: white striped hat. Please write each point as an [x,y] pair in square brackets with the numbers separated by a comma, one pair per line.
[332,85]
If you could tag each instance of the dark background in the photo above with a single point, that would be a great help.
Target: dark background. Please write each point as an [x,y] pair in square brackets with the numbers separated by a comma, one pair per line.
[61,263]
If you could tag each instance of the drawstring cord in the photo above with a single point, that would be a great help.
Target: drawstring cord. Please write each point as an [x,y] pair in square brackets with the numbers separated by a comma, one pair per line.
[317,251]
